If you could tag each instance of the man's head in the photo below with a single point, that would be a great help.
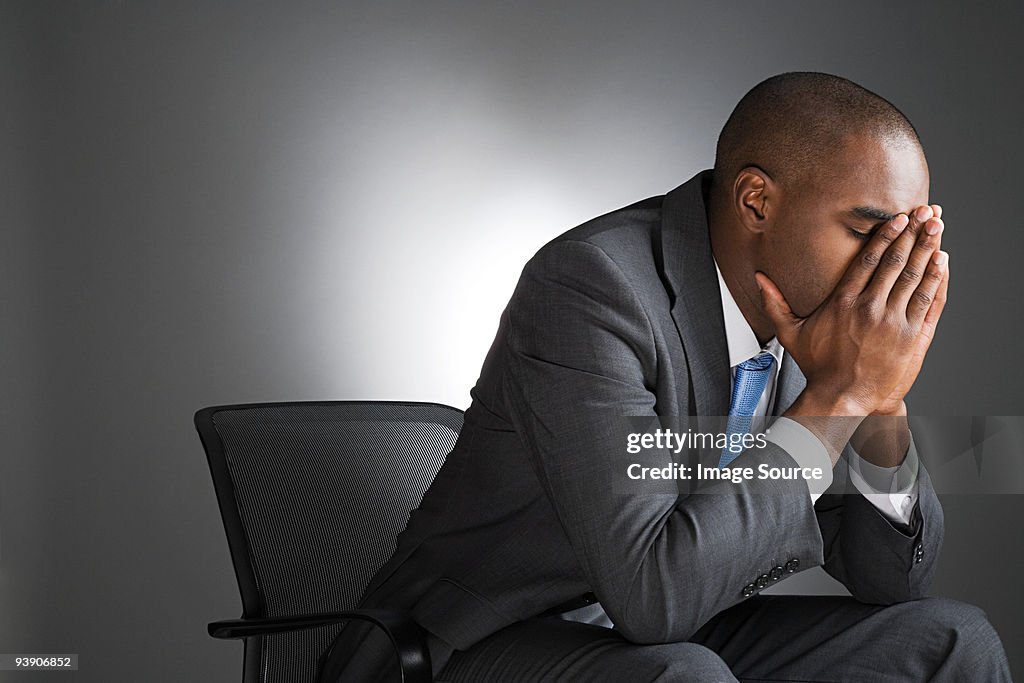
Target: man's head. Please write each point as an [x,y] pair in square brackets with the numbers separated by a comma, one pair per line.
[806,167]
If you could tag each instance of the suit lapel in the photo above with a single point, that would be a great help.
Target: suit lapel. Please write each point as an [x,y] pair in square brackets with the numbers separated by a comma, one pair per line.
[790,383]
[697,303]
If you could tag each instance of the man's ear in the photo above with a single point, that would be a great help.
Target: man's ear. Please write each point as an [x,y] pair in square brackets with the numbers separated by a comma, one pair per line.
[754,197]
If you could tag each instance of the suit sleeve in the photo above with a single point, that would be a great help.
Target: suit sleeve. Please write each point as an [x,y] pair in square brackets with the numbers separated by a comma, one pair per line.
[878,560]
[580,355]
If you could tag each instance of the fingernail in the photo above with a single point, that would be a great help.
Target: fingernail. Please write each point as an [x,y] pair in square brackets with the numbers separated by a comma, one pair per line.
[923,213]
[933,227]
[940,258]
[900,221]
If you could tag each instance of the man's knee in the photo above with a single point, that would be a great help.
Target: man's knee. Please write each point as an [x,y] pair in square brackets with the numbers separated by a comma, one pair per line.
[970,638]
[963,620]
[685,663]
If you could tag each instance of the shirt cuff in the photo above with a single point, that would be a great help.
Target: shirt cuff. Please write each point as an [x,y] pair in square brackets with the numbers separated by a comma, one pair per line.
[804,447]
[892,490]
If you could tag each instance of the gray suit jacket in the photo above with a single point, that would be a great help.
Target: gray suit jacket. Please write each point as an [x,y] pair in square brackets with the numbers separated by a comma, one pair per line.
[619,316]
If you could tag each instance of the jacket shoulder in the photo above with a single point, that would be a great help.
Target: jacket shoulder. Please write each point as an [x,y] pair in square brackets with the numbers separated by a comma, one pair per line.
[619,228]
[630,237]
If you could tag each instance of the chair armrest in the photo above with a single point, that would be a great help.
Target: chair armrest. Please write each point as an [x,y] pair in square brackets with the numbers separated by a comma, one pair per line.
[408,639]
[246,628]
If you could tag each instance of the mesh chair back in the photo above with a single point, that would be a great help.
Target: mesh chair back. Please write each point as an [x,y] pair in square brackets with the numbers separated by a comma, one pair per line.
[313,495]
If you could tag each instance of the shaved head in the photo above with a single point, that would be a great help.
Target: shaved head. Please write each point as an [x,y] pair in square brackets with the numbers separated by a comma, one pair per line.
[807,168]
[792,125]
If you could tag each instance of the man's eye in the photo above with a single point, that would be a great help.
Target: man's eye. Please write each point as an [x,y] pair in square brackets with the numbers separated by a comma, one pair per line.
[862,236]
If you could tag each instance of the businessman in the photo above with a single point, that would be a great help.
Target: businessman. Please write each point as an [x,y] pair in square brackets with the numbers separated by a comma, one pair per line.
[795,288]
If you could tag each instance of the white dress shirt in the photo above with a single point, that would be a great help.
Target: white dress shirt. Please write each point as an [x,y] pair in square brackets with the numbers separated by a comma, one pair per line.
[893,490]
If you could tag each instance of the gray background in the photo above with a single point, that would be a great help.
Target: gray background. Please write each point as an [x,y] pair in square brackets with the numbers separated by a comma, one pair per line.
[210,202]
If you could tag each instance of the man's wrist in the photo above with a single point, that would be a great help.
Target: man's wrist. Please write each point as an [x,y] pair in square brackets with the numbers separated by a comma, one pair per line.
[882,439]
[821,403]
[832,418]
[899,410]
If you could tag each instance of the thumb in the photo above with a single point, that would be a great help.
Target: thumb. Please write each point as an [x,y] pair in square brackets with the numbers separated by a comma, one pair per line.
[777,308]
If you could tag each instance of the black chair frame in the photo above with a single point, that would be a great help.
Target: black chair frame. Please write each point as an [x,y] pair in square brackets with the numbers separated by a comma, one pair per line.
[406,635]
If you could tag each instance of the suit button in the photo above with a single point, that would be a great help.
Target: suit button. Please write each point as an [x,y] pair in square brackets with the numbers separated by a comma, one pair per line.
[776,573]
[762,581]
[792,565]
[748,590]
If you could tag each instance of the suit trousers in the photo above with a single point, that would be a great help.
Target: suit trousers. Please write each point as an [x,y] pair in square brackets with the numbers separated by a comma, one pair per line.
[766,638]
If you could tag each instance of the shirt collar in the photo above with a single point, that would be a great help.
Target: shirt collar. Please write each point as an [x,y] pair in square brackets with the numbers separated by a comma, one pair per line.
[739,336]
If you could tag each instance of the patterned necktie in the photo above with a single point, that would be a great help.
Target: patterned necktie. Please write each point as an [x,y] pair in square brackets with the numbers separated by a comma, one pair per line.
[751,379]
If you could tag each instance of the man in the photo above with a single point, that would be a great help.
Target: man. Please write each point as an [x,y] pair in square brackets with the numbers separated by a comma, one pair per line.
[801,278]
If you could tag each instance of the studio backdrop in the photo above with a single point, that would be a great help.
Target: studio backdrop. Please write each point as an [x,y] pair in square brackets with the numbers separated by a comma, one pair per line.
[217,202]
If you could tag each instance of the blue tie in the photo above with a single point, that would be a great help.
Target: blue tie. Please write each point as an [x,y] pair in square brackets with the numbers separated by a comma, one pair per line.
[751,379]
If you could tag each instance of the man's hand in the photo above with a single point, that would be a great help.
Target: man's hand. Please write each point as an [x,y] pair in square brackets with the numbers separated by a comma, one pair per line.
[862,349]
[893,405]
[884,436]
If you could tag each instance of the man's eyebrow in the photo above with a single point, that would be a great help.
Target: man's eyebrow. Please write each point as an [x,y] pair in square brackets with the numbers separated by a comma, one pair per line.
[871,213]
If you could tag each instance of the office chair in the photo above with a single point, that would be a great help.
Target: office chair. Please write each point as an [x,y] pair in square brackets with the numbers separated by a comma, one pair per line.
[312,496]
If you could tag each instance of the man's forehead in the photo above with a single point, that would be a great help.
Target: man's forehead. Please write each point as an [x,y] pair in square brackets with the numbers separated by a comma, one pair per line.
[876,181]
[880,198]
[883,202]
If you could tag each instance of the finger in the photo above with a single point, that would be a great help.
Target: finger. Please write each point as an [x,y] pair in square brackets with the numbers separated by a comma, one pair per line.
[928,242]
[931,319]
[858,274]
[937,210]
[925,294]
[777,309]
[895,258]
